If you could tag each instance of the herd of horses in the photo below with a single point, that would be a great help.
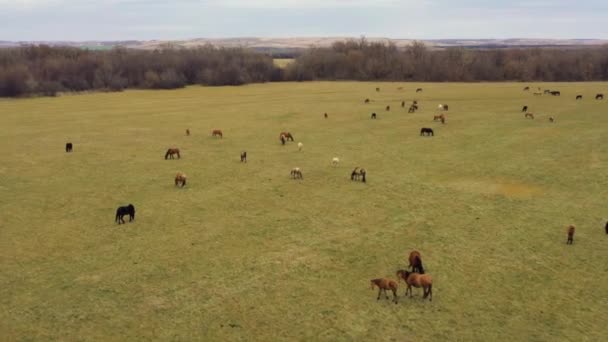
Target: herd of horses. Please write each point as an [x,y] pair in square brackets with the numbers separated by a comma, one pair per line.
[529,115]
[415,277]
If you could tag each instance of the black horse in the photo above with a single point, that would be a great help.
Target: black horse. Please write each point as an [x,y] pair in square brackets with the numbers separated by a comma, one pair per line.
[373,115]
[524,109]
[426,131]
[555,93]
[579,97]
[599,96]
[122,211]
[68,147]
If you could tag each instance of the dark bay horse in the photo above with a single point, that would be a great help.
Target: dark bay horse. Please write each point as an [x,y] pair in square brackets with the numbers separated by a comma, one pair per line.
[171,152]
[126,210]
[217,133]
[243,157]
[68,147]
[425,131]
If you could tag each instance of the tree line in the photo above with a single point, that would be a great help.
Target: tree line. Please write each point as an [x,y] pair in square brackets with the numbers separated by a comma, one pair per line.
[44,70]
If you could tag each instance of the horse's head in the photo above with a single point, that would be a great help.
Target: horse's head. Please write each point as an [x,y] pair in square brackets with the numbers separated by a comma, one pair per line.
[372,283]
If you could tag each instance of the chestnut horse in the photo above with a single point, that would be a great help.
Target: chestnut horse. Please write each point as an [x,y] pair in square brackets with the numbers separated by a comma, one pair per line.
[171,152]
[287,135]
[417,280]
[180,178]
[416,262]
[529,115]
[384,284]
[217,133]
[571,230]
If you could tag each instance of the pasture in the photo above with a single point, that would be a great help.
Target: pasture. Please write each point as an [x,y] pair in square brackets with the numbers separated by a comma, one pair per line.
[244,252]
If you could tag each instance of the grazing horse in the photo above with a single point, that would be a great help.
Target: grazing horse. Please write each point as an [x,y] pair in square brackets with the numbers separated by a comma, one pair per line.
[217,133]
[180,178]
[171,152]
[599,96]
[366,101]
[556,93]
[526,88]
[402,104]
[335,161]
[413,108]
[416,262]
[126,210]
[388,108]
[571,230]
[296,173]
[384,284]
[300,145]
[425,131]
[69,147]
[419,90]
[524,109]
[551,119]
[187,131]
[287,136]
[243,157]
[547,91]
[417,280]
[358,173]
[373,115]
[283,139]
[529,115]
[439,117]
[325,115]
[579,97]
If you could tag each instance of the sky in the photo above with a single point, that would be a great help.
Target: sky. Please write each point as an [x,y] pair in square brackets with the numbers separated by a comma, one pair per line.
[23,20]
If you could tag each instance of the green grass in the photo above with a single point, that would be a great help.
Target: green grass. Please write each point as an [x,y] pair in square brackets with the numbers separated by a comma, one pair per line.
[245,253]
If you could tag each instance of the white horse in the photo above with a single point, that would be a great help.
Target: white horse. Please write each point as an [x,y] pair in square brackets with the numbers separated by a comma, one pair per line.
[300,145]
[335,161]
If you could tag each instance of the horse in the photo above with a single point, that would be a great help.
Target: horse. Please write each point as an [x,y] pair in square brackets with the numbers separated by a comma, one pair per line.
[325,115]
[547,91]
[377,89]
[384,284]
[287,135]
[443,107]
[551,119]
[171,152]
[373,115]
[187,131]
[579,97]
[571,230]
[416,262]
[388,108]
[524,109]
[355,174]
[402,104]
[296,173]
[606,227]
[526,88]
[599,96]
[442,120]
[556,93]
[438,117]
[126,210]
[417,280]
[300,145]
[363,173]
[412,109]
[529,115]
[243,157]
[538,94]
[180,178]
[366,101]
[68,147]
[419,90]
[335,161]
[425,131]
[217,133]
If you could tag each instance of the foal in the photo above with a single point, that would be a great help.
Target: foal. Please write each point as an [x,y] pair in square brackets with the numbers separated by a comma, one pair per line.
[384,284]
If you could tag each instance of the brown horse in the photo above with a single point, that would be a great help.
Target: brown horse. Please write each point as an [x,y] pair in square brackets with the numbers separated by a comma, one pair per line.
[287,135]
[384,284]
[551,119]
[529,115]
[579,97]
[419,90]
[366,101]
[217,133]
[438,117]
[412,109]
[388,108]
[325,115]
[416,262]
[243,157]
[283,139]
[417,280]
[402,104]
[571,230]
[171,152]
[526,88]
[180,178]
[296,173]
[187,131]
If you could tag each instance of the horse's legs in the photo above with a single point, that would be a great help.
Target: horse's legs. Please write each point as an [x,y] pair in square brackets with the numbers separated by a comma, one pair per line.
[395,298]
[385,294]
[379,292]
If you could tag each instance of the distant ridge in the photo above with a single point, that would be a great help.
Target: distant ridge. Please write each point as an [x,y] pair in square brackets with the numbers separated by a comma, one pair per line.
[297,43]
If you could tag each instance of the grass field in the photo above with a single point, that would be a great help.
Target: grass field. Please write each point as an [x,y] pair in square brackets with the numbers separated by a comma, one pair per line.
[245,253]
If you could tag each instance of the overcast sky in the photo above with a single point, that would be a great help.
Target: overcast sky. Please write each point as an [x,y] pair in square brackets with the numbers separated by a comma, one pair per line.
[182,19]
